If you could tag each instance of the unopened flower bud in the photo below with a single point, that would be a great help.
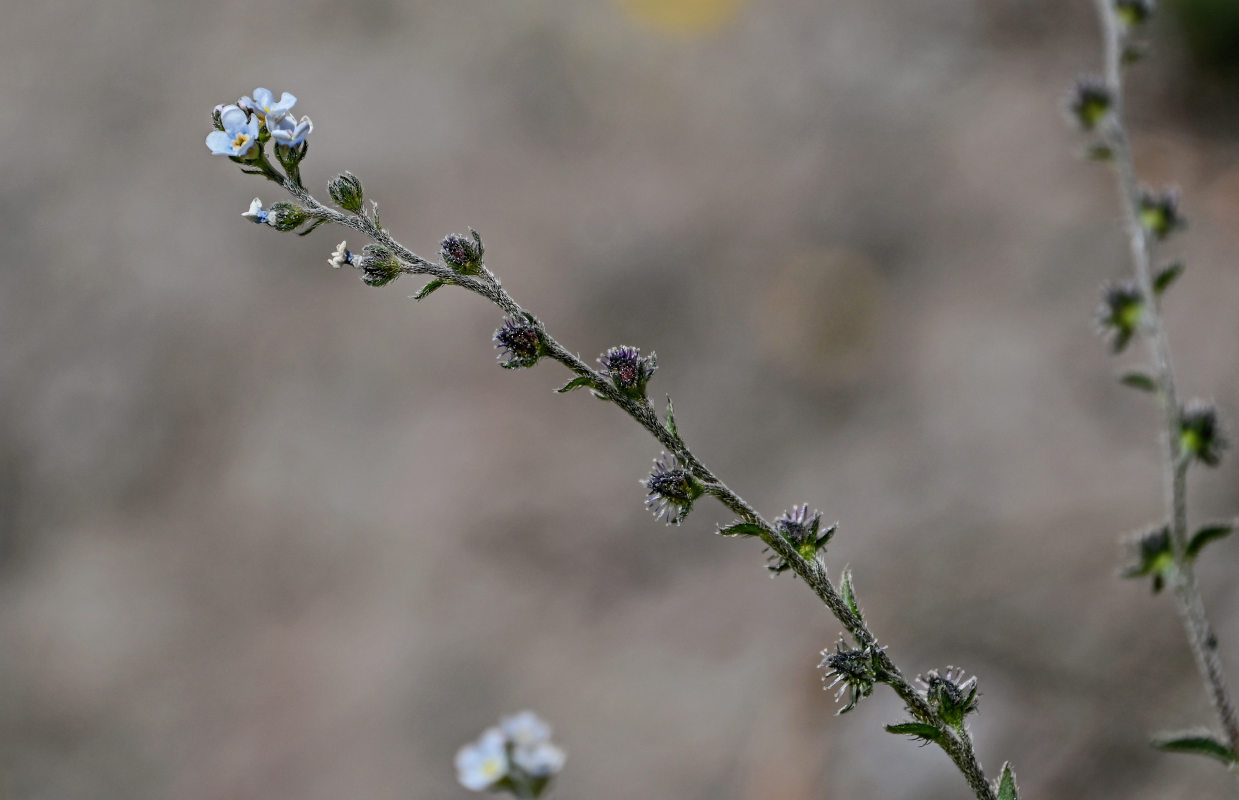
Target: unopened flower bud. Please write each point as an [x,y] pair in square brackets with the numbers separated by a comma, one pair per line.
[628,369]
[802,531]
[285,216]
[1151,554]
[1120,313]
[345,191]
[463,255]
[853,670]
[672,490]
[950,694]
[1090,102]
[1159,212]
[377,264]
[520,343]
[1200,433]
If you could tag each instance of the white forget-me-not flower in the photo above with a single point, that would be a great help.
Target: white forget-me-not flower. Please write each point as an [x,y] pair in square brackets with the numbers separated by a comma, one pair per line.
[256,213]
[238,136]
[482,764]
[263,104]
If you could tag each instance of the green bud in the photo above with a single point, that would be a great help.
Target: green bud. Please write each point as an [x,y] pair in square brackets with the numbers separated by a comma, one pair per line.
[378,266]
[345,191]
[287,216]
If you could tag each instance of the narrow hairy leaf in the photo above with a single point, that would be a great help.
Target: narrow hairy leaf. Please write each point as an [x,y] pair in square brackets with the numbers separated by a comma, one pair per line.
[575,383]
[741,529]
[1207,534]
[1006,784]
[671,418]
[428,288]
[1137,379]
[1166,276]
[917,730]
[1200,742]
[849,594]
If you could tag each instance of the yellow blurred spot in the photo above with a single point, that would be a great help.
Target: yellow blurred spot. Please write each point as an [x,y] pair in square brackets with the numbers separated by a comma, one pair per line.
[682,17]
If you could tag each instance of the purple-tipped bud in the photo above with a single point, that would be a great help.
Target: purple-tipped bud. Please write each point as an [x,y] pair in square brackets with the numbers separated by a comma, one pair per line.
[672,490]
[1120,313]
[462,254]
[520,343]
[628,369]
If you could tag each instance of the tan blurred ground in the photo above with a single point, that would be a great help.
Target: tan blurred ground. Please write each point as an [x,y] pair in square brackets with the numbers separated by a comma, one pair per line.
[268,533]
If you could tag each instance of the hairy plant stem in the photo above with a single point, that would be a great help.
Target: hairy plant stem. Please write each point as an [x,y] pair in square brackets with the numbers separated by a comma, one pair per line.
[1175,462]
[956,744]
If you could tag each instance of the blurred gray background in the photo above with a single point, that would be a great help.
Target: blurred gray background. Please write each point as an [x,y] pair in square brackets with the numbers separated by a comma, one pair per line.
[268,533]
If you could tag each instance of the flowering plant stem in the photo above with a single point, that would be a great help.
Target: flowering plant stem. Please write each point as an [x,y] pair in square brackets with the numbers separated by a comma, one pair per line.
[954,740]
[1175,460]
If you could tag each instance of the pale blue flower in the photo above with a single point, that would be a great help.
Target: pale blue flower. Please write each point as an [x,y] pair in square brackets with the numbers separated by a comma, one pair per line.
[525,729]
[264,105]
[289,132]
[238,136]
[540,760]
[256,213]
[483,763]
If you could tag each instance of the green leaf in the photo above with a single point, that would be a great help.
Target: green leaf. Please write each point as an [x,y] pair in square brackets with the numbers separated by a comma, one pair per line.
[575,383]
[917,730]
[1200,742]
[671,418]
[428,288]
[1208,533]
[741,529]
[1006,784]
[313,225]
[1137,379]
[1166,276]
[849,594]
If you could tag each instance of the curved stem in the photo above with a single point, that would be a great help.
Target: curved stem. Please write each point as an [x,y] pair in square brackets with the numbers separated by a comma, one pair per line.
[1174,463]
[956,745]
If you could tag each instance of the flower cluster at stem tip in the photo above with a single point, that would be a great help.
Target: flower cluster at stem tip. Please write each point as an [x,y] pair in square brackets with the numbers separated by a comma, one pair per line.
[517,757]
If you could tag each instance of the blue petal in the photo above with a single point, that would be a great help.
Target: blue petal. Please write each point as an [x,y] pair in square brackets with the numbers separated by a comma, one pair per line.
[220,143]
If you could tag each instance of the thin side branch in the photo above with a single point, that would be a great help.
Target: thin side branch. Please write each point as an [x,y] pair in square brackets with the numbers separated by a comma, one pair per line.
[956,744]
